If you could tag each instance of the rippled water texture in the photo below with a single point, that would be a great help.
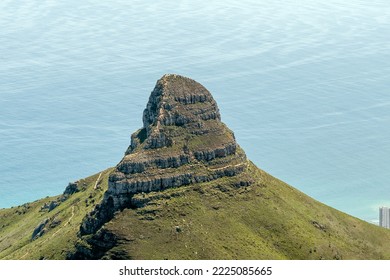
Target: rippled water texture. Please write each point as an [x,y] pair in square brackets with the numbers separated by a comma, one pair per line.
[304,85]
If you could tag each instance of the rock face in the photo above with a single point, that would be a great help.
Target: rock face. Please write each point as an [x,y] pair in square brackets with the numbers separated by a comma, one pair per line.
[71,189]
[39,230]
[182,142]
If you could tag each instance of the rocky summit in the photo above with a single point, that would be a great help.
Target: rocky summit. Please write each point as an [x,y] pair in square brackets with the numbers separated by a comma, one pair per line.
[182,142]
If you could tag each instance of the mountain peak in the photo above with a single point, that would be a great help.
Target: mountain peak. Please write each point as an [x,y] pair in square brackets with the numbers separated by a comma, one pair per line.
[185,190]
[182,142]
[177,101]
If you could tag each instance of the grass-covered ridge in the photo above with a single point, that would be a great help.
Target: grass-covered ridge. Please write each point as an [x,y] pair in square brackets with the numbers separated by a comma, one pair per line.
[221,220]
[17,224]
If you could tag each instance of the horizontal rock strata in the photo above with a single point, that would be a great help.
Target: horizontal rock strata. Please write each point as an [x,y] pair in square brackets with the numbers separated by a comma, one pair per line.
[182,142]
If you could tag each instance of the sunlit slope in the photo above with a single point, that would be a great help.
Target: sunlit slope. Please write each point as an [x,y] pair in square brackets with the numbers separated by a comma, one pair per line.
[216,220]
[222,220]
[17,224]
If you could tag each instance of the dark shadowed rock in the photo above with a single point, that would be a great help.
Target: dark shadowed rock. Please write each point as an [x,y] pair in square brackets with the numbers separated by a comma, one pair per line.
[39,230]
[71,189]
[52,205]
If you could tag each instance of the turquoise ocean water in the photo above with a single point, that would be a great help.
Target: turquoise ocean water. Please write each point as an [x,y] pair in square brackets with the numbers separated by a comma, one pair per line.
[305,86]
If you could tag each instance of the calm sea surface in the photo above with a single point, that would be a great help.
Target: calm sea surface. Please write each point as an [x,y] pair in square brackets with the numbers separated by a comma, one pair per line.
[305,86]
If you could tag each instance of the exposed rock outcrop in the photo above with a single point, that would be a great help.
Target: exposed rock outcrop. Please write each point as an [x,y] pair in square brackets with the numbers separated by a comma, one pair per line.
[71,189]
[44,226]
[182,142]
[39,230]
[100,243]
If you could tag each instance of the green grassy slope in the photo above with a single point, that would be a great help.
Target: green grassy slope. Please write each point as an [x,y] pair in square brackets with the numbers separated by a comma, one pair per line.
[18,223]
[217,220]
[267,220]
